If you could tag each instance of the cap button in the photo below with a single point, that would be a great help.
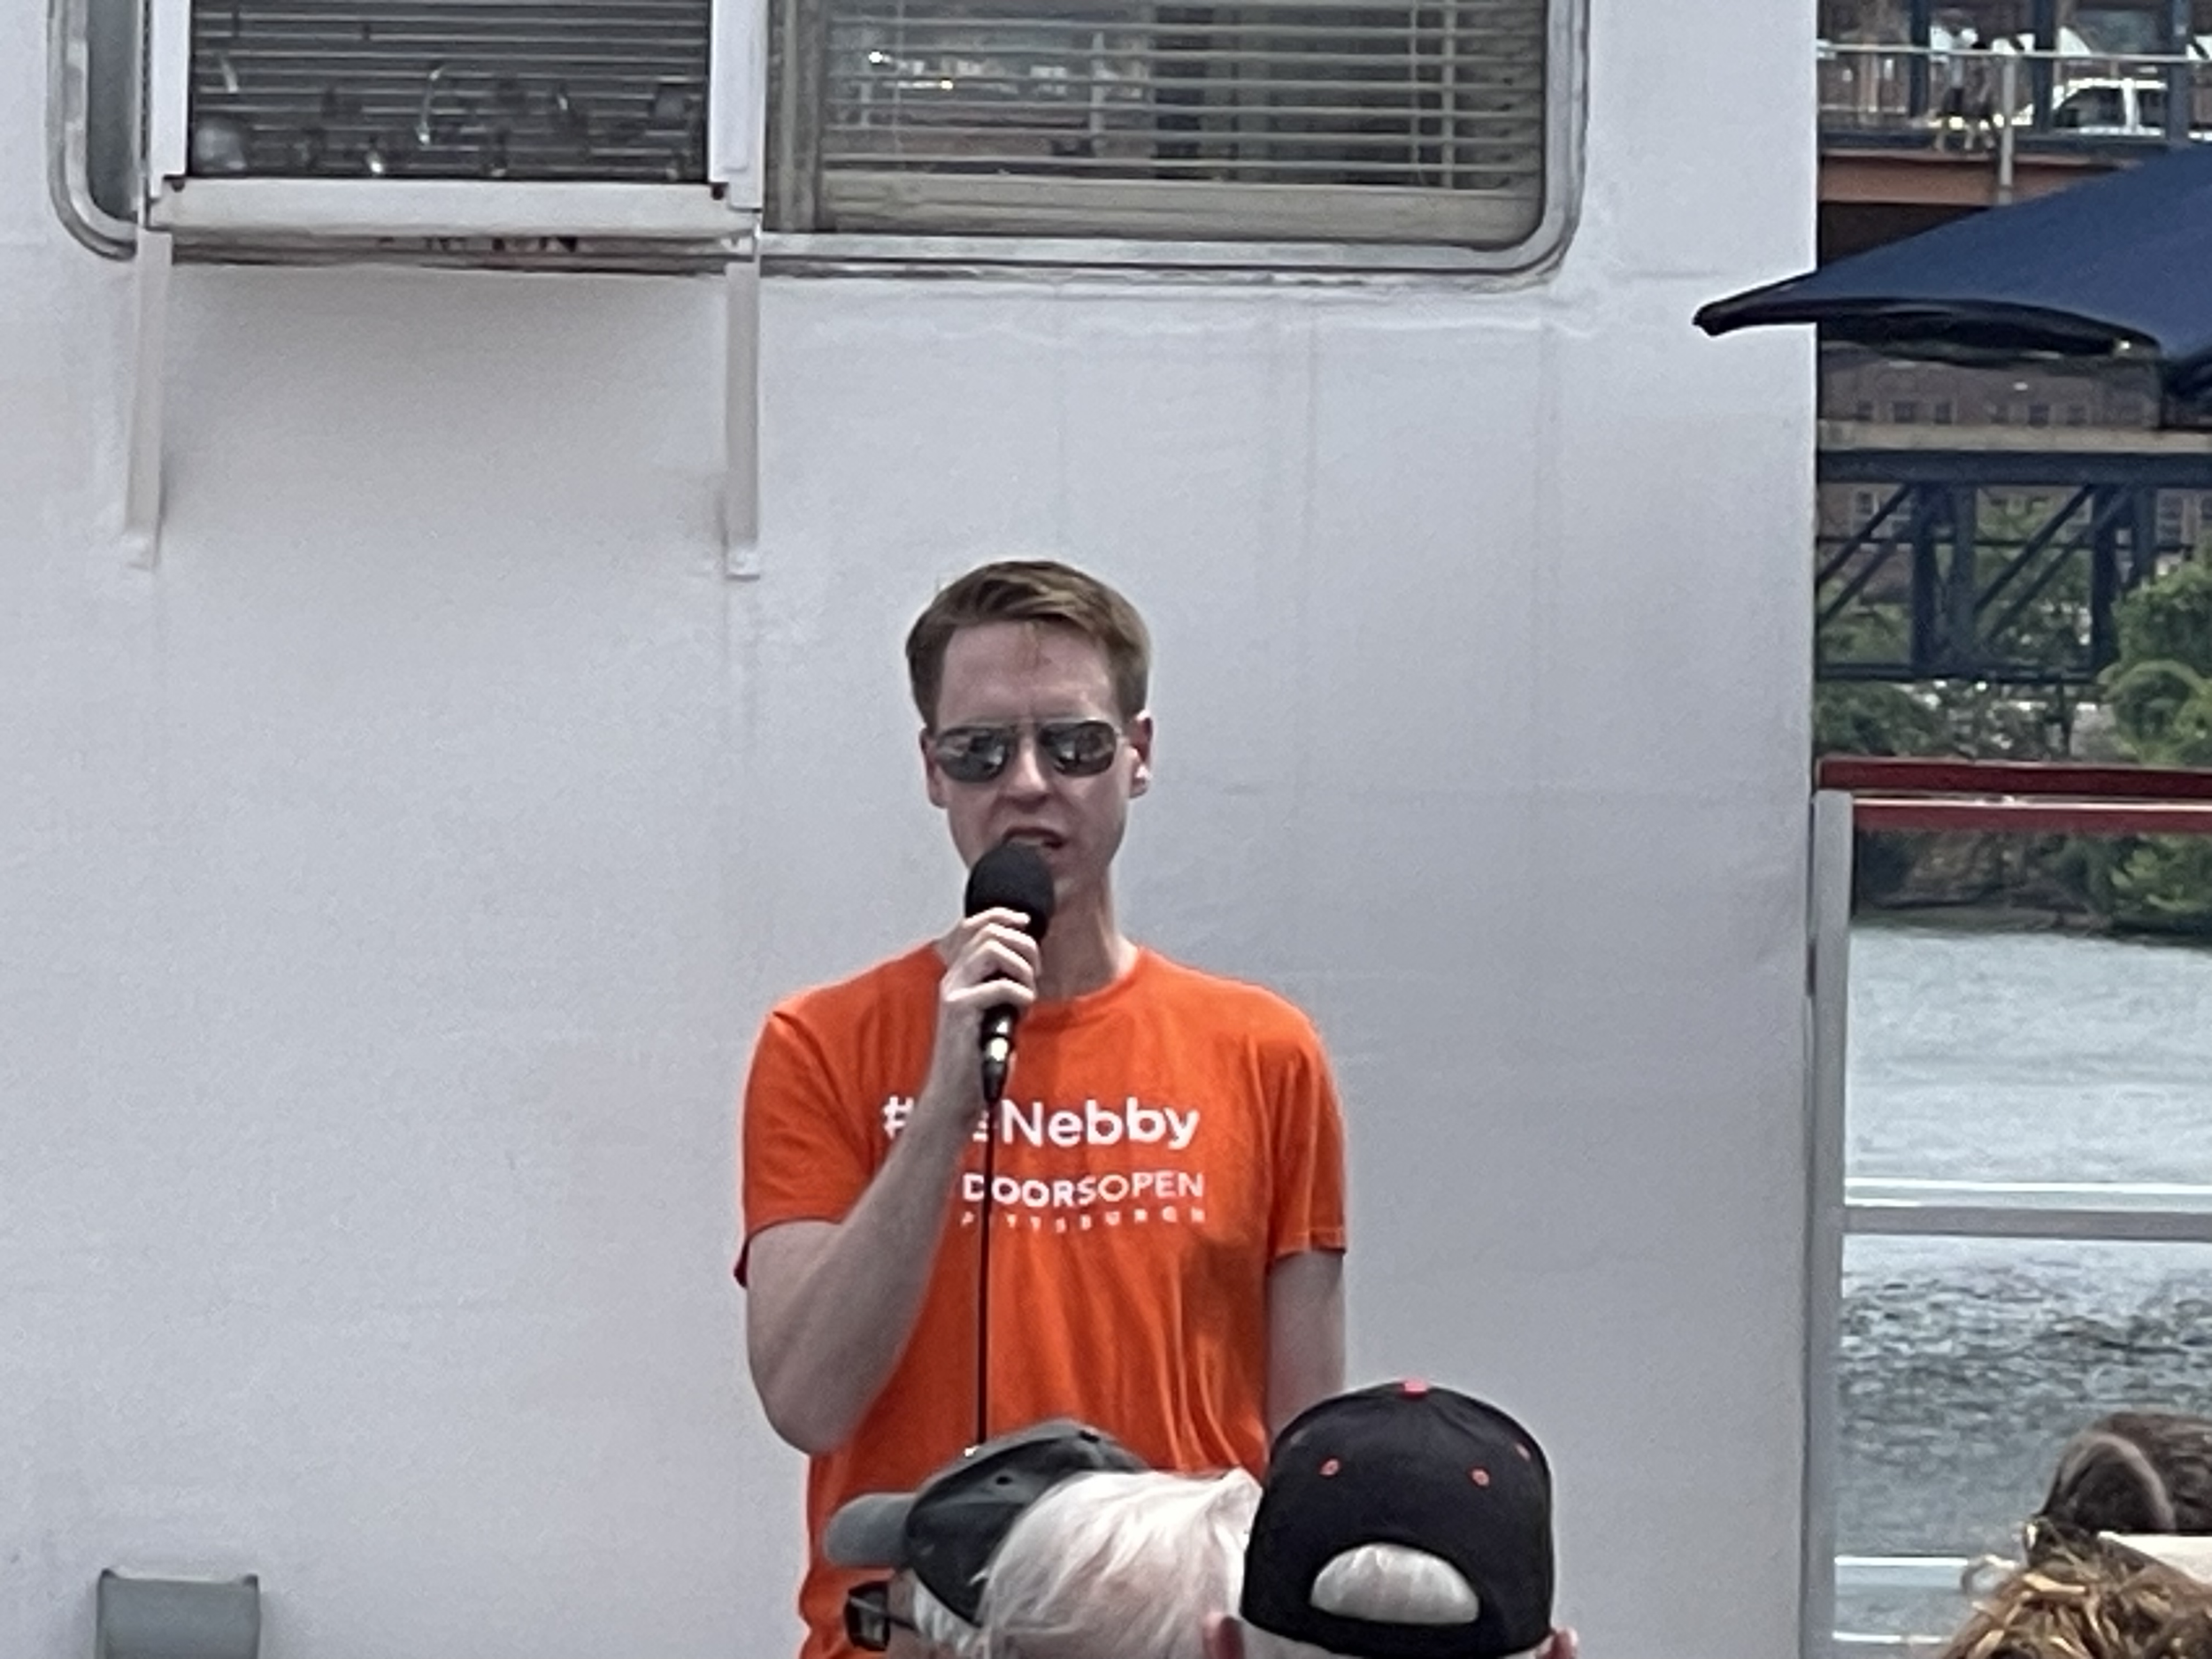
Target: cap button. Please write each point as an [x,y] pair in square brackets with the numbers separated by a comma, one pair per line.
[1413,1387]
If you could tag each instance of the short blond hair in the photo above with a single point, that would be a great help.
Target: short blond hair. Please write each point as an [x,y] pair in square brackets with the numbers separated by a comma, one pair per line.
[1031,590]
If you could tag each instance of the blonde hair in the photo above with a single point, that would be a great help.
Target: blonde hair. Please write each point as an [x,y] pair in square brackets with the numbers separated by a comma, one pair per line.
[2087,1600]
[1112,1566]
[1031,590]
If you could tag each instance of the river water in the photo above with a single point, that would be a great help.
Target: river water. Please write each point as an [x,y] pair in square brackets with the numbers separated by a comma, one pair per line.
[2008,1055]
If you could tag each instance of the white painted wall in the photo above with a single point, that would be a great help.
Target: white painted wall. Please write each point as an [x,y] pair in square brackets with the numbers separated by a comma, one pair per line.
[392,884]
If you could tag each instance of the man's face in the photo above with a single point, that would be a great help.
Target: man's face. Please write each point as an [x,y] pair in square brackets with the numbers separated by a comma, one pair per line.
[1022,674]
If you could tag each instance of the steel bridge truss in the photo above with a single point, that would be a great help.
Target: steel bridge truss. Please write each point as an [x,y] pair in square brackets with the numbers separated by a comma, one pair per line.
[1933,564]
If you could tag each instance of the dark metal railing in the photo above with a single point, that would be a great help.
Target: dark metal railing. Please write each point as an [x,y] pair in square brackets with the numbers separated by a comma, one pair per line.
[1945,97]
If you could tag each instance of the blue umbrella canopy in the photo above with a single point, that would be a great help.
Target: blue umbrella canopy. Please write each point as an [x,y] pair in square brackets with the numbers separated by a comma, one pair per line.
[2121,264]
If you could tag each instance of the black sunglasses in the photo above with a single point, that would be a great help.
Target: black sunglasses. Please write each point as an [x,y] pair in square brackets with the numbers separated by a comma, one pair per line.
[977,754]
[869,1620]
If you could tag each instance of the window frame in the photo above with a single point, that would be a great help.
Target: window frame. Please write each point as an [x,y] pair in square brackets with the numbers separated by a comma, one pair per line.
[887,252]
[119,70]
[1852,793]
[71,113]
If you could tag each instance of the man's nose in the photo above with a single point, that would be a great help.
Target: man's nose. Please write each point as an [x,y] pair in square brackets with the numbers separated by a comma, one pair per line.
[1026,767]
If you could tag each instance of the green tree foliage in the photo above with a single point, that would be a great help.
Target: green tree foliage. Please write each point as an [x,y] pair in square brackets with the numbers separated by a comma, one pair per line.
[2160,691]
[1866,717]
[2161,695]
[1872,717]
[2162,884]
[2169,620]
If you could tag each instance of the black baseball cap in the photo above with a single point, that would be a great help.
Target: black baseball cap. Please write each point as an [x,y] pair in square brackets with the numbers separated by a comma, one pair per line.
[947,1529]
[1428,1468]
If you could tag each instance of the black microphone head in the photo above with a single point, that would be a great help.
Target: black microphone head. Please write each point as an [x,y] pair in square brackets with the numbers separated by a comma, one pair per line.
[1013,876]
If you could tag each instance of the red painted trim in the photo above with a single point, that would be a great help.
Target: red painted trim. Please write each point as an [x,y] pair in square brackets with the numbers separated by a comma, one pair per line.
[1897,775]
[2034,818]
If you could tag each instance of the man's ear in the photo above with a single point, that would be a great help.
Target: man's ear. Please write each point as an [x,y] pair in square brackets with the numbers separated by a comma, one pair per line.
[1562,1644]
[1223,1637]
[1140,740]
[932,778]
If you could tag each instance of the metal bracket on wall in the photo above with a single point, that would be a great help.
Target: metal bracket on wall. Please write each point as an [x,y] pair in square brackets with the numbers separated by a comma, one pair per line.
[739,505]
[119,158]
[149,333]
[741,420]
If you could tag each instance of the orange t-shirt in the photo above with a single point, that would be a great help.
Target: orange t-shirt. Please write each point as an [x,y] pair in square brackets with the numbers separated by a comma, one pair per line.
[1163,1142]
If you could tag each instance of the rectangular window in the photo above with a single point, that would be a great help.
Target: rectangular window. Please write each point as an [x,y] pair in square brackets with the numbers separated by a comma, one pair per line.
[418,90]
[2011,1139]
[1292,121]
[1904,413]
[2013,1131]
[598,134]
[1941,413]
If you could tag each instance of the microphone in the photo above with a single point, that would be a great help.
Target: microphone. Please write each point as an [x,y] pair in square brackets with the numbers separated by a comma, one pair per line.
[1013,876]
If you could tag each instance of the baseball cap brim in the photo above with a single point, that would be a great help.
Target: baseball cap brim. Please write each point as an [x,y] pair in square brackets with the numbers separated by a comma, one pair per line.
[869,1531]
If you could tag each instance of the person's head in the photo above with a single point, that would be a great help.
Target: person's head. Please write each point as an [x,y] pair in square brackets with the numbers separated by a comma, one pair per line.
[2089,1598]
[2135,1471]
[1399,1522]
[1120,1566]
[1031,679]
[937,1541]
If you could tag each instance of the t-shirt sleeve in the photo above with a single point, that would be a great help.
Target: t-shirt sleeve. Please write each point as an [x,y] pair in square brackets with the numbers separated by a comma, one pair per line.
[1307,1212]
[804,1155]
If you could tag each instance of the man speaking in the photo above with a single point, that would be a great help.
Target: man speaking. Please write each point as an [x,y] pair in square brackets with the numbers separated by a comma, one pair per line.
[1144,1231]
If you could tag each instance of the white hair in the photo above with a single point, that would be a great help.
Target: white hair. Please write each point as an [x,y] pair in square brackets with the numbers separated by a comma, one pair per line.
[1393,1584]
[1113,1565]
[941,1628]
[1387,1584]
